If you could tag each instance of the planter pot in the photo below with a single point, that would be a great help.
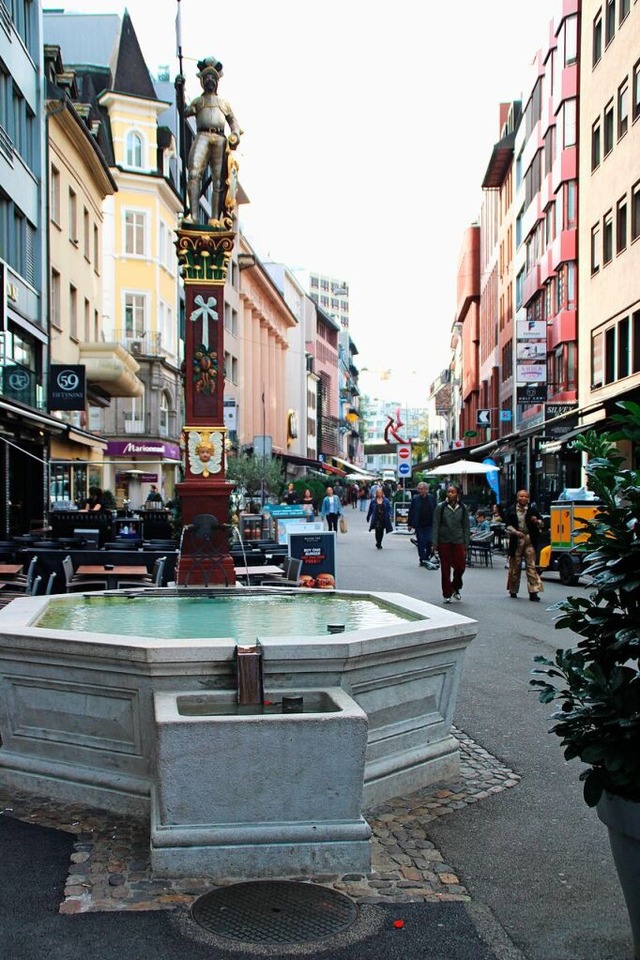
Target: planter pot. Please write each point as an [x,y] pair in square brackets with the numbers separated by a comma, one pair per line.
[622,819]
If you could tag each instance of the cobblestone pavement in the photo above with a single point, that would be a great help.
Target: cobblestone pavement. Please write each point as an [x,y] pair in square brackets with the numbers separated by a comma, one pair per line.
[110,867]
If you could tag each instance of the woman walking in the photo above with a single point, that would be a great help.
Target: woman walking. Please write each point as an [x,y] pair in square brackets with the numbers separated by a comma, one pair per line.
[379,516]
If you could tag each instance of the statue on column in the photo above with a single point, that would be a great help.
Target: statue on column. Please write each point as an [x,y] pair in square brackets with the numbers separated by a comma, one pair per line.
[211,146]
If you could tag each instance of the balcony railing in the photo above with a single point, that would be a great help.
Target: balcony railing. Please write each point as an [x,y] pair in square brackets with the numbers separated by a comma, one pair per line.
[140,345]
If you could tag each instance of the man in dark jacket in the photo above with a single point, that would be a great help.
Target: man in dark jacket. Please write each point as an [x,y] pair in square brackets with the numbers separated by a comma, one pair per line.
[523,526]
[420,519]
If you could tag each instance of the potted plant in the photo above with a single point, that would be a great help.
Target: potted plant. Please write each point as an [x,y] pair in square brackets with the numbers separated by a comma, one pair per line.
[597,683]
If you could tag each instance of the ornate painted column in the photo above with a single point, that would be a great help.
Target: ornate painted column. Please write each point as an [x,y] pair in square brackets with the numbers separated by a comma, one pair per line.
[204,254]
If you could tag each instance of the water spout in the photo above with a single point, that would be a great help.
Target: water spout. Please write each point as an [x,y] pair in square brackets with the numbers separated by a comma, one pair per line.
[249,675]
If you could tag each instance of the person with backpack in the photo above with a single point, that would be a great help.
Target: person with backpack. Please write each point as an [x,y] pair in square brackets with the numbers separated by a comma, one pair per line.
[451,535]
[420,519]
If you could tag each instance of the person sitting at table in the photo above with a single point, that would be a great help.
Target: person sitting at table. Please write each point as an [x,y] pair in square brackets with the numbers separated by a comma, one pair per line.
[496,514]
[482,529]
[94,502]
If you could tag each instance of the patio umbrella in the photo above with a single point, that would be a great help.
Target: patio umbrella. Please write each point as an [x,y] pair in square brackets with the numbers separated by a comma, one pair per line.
[462,467]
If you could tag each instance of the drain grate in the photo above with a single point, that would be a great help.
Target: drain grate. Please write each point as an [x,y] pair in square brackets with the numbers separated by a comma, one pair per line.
[274,911]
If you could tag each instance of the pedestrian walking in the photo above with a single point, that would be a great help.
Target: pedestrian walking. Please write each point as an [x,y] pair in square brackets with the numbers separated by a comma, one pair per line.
[451,535]
[331,509]
[379,516]
[420,519]
[523,526]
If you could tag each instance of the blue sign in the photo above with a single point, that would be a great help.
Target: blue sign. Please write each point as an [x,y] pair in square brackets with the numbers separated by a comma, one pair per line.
[404,469]
[505,415]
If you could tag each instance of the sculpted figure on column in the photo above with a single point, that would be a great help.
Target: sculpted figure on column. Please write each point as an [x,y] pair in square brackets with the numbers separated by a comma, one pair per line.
[211,143]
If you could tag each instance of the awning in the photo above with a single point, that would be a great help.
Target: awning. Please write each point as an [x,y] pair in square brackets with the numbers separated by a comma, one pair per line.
[87,439]
[51,424]
[352,468]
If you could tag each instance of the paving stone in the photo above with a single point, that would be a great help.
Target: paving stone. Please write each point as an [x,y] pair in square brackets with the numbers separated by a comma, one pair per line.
[110,869]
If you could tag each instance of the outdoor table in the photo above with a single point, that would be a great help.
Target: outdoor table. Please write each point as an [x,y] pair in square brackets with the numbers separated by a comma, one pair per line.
[94,571]
[258,572]
[10,569]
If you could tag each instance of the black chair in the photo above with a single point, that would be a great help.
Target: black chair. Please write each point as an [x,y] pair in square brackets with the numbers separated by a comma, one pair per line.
[154,579]
[481,550]
[290,575]
[74,583]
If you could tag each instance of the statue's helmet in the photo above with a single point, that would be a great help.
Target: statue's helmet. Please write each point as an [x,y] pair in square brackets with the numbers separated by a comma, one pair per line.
[211,66]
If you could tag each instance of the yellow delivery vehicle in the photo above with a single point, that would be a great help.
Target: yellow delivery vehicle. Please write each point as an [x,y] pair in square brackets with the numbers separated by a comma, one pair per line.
[568,538]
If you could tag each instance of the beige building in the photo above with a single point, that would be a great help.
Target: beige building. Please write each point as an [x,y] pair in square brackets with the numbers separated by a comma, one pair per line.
[609,207]
[260,375]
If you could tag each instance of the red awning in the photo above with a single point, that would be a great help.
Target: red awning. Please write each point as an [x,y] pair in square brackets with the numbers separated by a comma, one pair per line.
[330,469]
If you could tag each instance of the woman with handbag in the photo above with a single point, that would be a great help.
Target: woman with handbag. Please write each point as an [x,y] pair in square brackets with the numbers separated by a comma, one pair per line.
[379,516]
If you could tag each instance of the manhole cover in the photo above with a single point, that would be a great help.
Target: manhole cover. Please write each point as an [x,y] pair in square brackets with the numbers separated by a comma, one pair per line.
[278,911]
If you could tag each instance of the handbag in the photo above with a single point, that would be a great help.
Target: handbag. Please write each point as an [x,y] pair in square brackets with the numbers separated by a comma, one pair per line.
[343,524]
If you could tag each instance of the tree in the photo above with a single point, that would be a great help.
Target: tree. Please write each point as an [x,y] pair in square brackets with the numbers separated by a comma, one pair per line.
[250,472]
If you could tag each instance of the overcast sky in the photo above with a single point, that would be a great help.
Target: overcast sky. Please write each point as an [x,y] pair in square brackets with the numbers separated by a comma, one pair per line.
[368,129]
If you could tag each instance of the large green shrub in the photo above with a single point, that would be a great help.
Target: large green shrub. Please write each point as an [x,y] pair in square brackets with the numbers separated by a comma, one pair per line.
[597,684]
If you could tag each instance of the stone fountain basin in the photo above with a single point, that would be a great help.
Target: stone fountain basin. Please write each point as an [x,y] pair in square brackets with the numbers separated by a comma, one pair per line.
[77,709]
[240,792]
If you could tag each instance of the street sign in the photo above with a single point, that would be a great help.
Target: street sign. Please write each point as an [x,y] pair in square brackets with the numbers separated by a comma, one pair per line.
[483,418]
[404,452]
[471,433]
[404,469]
[505,415]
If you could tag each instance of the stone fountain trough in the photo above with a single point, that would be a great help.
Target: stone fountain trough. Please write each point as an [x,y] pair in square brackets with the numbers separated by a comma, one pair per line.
[253,792]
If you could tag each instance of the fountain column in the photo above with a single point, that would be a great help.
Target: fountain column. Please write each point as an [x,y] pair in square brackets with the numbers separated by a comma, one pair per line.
[204,254]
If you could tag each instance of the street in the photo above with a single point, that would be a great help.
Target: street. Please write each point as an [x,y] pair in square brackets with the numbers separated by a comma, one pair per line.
[536,855]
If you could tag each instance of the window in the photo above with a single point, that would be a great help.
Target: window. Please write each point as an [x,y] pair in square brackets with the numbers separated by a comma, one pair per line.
[164,415]
[549,149]
[610,22]
[635,334]
[96,249]
[570,40]
[73,312]
[56,292]
[596,53]
[55,195]
[569,124]
[625,6]
[624,349]
[623,108]
[571,209]
[134,314]
[635,211]
[621,225]
[595,248]
[87,320]
[610,355]
[134,233]
[595,144]
[134,149]
[607,237]
[73,216]
[597,360]
[86,233]
[608,128]
[519,286]
[636,91]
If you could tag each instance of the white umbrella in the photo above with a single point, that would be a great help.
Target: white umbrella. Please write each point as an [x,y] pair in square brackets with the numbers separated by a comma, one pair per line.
[462,467]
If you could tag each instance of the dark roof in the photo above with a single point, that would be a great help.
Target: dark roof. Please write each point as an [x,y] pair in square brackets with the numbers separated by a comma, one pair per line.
[501,158]
[131,75]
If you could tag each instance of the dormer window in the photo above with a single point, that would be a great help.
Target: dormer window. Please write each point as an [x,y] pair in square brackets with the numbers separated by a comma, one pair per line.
[134,149]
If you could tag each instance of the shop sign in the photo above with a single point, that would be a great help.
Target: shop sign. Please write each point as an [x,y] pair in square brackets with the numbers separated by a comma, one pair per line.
[141,448]
[531,393]
[18,383]
[67,389]
[558,409]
